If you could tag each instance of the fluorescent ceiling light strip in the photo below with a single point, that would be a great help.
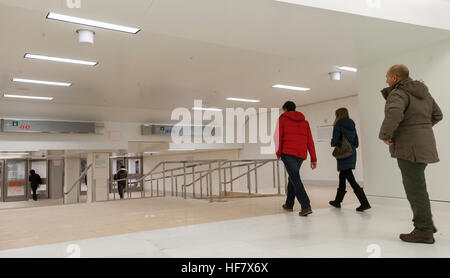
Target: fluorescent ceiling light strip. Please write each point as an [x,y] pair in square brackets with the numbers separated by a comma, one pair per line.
[42,82]
[93,23]
[243,99]
[348,68]
[62,60]
[28,97]
[172,150]
[207,109]
[290,87]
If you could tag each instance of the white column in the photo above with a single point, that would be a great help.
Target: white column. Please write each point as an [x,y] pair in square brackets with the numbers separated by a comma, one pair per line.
[72,173]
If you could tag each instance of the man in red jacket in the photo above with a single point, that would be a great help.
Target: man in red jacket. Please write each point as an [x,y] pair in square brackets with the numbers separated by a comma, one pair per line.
[293,141]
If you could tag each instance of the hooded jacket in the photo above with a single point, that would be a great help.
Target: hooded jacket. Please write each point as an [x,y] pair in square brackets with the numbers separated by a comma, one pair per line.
[410,114]
[293,136]
[347,127]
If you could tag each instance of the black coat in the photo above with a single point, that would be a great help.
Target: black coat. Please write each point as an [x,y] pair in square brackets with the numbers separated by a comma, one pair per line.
[348,128]
[35,180]
[122,174]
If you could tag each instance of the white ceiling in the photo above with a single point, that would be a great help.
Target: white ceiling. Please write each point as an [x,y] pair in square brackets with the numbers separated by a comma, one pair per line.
[196,49]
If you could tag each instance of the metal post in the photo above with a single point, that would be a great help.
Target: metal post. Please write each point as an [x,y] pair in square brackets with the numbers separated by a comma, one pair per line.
[248,180]
[225,181]
[278,177]
[231,176]
[128,189]
[273,167]
[157,187]
[151,185]
[201,186]
[176,186]
[193,182]
[184,185]
[210,182]
[256,179]
[164,179]
[171,182]
[207,185]
[220,179]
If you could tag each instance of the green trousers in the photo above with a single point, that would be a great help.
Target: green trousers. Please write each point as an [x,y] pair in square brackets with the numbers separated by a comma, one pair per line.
[416,191]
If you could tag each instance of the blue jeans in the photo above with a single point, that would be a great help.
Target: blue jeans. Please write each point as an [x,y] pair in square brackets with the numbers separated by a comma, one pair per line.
[295,185]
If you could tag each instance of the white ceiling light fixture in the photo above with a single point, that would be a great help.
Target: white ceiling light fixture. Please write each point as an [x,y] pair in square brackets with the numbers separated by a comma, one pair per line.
[61,60]
[243,99]
[287,87]
[207,109]
[28,97]
[93,23]
[352,69]
[179,150]
[40,82]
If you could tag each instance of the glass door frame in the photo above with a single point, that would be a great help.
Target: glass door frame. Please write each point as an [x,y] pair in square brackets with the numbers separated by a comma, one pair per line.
[6,186]
[44,180]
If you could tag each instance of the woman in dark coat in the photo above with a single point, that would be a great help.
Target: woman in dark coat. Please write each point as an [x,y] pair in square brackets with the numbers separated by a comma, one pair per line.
[344,126]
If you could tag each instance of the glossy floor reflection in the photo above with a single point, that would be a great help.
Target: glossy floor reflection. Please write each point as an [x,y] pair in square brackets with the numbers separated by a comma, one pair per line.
[327,232]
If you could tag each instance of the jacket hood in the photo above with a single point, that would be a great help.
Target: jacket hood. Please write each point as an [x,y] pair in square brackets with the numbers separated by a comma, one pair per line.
[346,123]
[294,116]
[413,87]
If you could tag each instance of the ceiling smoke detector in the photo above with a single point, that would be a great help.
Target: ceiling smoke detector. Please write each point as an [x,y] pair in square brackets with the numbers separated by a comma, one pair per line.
[86,36]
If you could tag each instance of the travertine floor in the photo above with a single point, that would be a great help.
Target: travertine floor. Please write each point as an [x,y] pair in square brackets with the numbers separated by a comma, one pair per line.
[46,225]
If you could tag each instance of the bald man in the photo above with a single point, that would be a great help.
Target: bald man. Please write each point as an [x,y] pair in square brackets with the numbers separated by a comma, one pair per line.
[410,114]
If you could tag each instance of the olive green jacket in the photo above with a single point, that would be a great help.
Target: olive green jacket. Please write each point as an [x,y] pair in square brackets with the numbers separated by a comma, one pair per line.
[410,114]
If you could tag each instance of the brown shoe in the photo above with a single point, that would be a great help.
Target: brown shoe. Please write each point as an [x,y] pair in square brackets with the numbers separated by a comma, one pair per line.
[305,212]
[415,238]
[287,208]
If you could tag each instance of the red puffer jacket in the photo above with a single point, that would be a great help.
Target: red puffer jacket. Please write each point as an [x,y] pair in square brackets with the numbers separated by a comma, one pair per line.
[293,136]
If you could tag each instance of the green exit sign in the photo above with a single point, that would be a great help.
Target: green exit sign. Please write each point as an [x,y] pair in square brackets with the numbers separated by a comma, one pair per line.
[15,123]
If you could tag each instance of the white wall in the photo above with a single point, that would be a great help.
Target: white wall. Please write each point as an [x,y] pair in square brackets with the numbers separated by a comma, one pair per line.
[319,114]
[381,173]
[431,13]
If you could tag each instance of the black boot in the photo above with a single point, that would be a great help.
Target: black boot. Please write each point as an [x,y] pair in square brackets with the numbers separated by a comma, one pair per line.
[362,199]
[339,197]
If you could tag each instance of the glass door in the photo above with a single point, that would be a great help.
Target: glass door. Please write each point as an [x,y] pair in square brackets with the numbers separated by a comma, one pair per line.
[16,182]
[41,168]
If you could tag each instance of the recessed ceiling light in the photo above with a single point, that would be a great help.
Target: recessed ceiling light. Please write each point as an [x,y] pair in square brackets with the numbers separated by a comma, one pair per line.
[62,60]
[243,99]
[93,23]
[291,87]
[207,109]
[42,82]
[348,68]
[28,97]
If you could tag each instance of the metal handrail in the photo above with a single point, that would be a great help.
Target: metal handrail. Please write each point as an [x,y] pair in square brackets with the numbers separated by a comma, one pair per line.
[79,179]
[156,174]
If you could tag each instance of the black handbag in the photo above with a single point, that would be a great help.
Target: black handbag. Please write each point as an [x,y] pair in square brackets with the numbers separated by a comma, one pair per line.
[343,149]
